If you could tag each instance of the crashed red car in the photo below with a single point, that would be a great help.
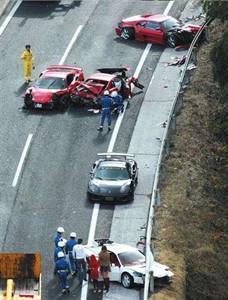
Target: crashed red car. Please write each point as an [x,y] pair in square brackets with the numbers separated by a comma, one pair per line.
[157,29]
[53,88]
[110,79]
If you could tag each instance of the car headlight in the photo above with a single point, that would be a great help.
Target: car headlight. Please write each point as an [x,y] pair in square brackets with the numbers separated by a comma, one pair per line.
[93,187]
[137,274]
[125,187]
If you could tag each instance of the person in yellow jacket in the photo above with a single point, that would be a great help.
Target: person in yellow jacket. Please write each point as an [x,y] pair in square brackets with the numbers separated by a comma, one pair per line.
[28,63]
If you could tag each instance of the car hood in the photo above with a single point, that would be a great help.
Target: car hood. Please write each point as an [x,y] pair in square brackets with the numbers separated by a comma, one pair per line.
[159,270]
[191,27]
[42,95]
[107,187]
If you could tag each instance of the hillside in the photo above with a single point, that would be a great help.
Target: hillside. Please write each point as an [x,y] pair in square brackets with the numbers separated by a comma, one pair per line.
[192,236]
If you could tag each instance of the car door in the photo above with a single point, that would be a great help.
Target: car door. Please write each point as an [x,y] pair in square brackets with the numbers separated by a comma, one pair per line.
[115,274]
[150,32]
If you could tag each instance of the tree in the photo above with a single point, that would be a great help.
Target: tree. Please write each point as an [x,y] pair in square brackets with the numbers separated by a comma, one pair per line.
[216,9]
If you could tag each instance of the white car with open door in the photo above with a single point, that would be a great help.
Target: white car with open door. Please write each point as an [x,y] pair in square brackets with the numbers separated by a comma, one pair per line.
[128,263]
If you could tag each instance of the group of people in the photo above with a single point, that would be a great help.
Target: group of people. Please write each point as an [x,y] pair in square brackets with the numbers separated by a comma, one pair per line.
[70,258]
[108,103]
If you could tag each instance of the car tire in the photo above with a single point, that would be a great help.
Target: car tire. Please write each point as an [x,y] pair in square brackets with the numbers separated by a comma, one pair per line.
[28,101]
[127,33]
[171,40]
[127,280]
[64,103]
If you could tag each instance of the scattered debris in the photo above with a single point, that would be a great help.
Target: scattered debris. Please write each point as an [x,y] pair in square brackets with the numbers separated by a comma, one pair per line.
[191,67]
[178,61]
[95,111]
[182,47]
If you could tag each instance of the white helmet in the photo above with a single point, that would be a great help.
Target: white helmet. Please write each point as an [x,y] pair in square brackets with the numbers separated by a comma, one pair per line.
[60,230]
[106,92]
[61,244]
[73,234]
[60,254]
[114,94]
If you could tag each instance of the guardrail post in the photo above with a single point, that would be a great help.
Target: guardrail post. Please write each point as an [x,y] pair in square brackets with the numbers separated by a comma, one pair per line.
[179,102]
[151,284]
[157,197]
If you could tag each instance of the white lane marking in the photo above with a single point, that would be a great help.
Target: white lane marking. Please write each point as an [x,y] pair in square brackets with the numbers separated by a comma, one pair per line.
[110,149]
[75,36]
[22,159]
[9,17]
[168,7]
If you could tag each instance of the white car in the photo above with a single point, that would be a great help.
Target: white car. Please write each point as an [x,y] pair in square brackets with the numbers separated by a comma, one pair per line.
[128,264]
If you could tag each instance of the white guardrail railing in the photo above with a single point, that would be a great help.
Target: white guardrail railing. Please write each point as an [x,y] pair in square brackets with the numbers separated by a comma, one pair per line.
[149,282]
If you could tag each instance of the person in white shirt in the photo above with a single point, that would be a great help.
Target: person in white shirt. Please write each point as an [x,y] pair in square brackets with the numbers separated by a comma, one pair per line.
[79,256]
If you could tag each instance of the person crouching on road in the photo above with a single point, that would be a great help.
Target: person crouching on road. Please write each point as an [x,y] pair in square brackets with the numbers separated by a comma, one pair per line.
[104,260]
[117,102]
[59,236]
[106,110]
[79,255]
[69,250]
[28,63]
[94,273]
[63,269]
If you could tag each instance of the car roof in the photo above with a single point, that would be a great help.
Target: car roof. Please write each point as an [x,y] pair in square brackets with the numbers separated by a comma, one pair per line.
[102,76]
[113,163]
[113,247]
[60,71]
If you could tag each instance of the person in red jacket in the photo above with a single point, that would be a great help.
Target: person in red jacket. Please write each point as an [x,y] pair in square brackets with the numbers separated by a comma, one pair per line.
[94,273]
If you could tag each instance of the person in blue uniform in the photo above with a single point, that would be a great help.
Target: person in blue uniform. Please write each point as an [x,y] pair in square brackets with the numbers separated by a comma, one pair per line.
[106,110]
[63,269]
[59,235]
[69,250]
[60,248]
[117,101]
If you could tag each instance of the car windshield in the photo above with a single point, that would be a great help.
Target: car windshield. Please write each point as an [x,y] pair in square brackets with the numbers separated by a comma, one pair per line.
[111,173]
[131,257]
[170,23]
[51,83]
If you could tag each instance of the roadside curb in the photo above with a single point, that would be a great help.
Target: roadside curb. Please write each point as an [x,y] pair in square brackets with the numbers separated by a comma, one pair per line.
[3,6]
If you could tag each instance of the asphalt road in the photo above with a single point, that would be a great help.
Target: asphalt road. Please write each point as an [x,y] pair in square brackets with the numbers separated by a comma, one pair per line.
[52,189]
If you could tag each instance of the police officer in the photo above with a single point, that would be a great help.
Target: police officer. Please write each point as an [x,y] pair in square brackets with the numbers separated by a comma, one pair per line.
[63,269]
[117,101]
[59,235]
[106,110]
[69,250]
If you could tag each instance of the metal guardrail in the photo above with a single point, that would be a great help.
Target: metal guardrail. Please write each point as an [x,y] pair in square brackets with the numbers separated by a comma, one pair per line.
[164,151]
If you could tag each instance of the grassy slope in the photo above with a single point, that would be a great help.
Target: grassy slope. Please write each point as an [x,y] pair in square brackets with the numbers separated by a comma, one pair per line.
[192,221]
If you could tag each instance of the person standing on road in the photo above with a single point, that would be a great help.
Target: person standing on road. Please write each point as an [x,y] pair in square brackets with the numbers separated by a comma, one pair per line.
[94,273]
[106,110]
[59,236]
[79,256]
[28,63]
[117,102]
[69,250]
[60,248]
[104,260]
[63,269]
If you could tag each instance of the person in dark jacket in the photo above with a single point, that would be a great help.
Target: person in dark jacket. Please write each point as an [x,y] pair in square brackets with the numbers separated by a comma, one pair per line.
[106,110]
[104,261]
[69,250]
[63,269]
[117,102]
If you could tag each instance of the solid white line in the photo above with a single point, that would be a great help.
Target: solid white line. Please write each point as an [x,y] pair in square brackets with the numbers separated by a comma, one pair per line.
[168,7]
[22,159]
[110,149]
[9,17]
[75,36]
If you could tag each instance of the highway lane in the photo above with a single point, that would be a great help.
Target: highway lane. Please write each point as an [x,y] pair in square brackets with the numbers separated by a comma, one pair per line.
[52,189]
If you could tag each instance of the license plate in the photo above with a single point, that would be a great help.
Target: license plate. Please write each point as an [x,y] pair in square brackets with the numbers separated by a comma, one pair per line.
[38,105]
[109,198]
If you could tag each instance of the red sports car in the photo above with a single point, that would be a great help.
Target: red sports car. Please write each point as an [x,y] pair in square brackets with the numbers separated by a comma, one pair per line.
[54,87]
[110,79]
[157,29]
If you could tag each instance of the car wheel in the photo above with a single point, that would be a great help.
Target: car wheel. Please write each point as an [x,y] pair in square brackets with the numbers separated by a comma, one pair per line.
[64,102]
[128,33]
[28,101]
[171,40]
[127,280]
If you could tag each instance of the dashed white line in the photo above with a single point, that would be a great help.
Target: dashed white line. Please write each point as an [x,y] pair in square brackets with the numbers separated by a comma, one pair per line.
[22,159]
[9,17]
